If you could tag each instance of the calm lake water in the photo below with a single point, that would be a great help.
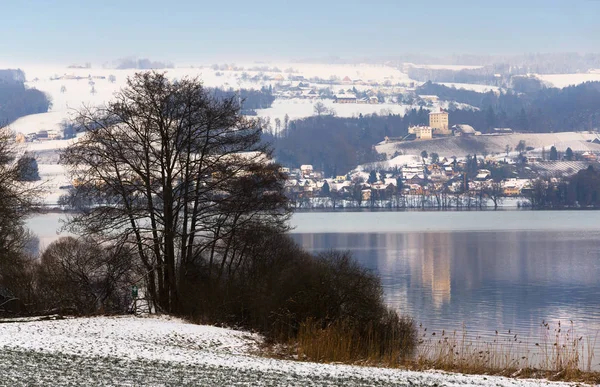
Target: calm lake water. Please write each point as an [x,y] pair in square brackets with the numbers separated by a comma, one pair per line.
[484,271]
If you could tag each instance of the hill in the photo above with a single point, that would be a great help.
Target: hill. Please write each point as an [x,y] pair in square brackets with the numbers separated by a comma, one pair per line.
[493,144]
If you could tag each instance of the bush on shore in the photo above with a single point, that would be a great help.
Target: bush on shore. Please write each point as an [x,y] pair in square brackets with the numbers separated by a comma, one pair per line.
[324,307]
[327,306]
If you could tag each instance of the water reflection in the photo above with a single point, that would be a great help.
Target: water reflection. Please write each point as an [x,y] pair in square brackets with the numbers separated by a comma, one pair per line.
[487,281]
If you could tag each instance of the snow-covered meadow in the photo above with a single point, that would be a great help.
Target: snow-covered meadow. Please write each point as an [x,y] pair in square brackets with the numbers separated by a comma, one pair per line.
[564,80]
[128,350]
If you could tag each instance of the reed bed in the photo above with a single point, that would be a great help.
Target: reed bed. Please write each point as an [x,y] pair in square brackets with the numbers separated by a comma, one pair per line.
[557,353]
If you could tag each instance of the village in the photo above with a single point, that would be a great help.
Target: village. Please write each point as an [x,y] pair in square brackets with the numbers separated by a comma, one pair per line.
[432,181]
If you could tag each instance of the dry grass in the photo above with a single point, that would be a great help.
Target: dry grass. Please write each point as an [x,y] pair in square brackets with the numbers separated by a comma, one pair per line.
[557,354]
[384,343]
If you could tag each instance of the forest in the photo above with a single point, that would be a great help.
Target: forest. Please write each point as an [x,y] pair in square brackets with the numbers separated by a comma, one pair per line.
[336,145]
[535,109]
[16,100]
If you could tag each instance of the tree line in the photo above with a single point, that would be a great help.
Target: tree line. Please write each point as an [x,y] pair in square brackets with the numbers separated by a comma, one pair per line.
[581,190]
[541,110]
[16,100]
[336,145]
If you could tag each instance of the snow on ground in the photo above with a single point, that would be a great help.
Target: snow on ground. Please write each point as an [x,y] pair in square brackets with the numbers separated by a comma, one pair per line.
[353,71]
[297,108]
[472,87]
[166,351]
[564,80]
[396,162]
[94,86]
[493,144]
[42,121]
[443,67]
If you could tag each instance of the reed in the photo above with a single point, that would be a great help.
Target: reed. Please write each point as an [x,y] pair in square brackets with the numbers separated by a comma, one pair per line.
[385,343]
[557,353]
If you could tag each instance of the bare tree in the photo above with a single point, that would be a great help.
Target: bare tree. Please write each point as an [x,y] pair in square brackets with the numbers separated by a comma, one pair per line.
[18,200]
[82,276]
[278,124]
[177,174]
[495,192]
[320,108]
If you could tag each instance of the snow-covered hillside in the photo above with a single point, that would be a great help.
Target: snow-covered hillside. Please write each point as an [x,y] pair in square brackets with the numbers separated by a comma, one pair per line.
[72,88]
[111,351]
[461,146]
[564,80]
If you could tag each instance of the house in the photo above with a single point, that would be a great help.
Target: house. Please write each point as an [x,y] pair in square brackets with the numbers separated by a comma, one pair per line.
[589,156]
[503,131]
[511,187]
[347,80]
[345,98]
[306,169]
[411,170]
[534,159]
[312,94]
[42,135]
[438,121]
[464,130]
[53,135]
[373,100]
[483,174]
[421,132]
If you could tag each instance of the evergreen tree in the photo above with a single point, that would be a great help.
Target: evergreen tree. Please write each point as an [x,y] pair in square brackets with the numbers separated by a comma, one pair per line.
[28,168]
[569,154]
[325,190]
[372,177]
[490,118]
[553,154]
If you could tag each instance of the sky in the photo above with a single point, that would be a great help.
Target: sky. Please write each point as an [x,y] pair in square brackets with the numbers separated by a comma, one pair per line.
[200,31]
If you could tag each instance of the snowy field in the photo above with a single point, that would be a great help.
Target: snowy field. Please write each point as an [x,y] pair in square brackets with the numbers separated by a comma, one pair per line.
[300,108]
[163,351]
[564,80]
[443,66]
[472,87]
[94,87]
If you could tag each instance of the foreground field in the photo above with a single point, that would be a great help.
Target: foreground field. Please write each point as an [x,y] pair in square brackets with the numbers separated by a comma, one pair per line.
[110,351]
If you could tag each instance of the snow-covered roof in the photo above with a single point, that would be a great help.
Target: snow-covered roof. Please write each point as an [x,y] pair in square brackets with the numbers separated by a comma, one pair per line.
[464,128]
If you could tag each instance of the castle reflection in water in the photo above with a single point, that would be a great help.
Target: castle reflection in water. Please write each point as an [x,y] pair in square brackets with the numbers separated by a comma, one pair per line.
[485,280]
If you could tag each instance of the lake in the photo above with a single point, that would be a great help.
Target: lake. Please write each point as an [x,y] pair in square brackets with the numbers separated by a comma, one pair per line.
[481,270]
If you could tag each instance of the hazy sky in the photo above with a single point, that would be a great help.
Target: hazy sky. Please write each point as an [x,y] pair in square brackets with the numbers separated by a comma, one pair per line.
[61,31]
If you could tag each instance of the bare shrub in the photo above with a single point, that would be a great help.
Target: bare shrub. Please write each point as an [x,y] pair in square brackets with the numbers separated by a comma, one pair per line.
[83,277]
[294,297]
